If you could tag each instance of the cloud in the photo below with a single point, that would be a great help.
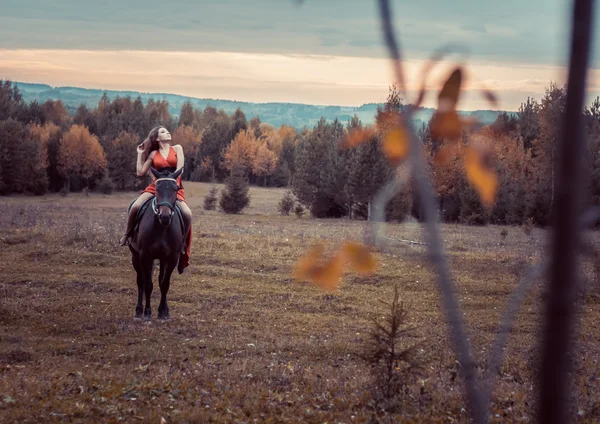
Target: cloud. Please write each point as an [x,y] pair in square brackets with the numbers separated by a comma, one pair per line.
[511,30]
[259,77]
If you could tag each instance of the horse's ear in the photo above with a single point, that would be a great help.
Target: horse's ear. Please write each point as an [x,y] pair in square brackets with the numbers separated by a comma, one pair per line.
[177,174]
[155,172]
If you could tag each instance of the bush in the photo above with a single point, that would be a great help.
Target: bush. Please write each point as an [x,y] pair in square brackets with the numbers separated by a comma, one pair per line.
[210,200]
[299,210]
[234,197]
[106,185]
[286,204]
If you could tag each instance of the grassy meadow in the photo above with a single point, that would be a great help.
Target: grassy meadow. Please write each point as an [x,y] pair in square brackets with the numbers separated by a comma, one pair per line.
[246,343]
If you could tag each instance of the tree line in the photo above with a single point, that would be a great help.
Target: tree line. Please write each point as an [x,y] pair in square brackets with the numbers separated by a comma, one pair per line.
[44,148]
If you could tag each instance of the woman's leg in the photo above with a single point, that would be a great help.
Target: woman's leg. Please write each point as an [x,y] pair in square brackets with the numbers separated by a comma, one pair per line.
[126,239]
[184,258]
[187,215]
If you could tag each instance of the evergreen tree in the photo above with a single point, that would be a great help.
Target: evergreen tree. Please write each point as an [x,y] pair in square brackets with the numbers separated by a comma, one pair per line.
[235,196]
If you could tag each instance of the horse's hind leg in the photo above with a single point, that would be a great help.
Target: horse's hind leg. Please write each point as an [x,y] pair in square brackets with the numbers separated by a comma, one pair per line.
[164,283]
[135,259]
[147,266]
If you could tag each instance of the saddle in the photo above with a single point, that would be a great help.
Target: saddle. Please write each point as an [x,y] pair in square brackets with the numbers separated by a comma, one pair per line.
[145,206]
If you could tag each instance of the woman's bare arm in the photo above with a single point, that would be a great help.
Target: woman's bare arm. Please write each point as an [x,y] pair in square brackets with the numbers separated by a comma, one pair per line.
[142,169]
[180,156]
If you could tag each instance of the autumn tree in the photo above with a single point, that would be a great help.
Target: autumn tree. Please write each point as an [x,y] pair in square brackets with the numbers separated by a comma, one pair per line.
[56,112]
[84,116]
[241,153]
[215,140]
[190,140]
[284,171]
[186,115]
[122,159]
[264,162]
[11,101]
[543,151]
[592,132]
[240,123]
[254,125]
[80,155]
[21,167]
[528,122]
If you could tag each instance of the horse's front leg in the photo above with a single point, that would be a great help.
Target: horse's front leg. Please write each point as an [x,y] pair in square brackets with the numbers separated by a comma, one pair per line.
[164,283]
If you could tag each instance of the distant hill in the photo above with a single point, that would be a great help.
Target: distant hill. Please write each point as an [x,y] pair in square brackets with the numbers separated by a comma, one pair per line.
[293,114]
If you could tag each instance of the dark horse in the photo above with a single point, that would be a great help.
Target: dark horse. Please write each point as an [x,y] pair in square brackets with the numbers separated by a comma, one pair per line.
[160,236]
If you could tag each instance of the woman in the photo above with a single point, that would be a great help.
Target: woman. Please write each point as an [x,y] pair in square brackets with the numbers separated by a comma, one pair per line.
[157,151]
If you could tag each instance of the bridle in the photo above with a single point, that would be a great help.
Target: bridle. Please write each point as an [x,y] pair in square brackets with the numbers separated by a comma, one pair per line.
[171,206]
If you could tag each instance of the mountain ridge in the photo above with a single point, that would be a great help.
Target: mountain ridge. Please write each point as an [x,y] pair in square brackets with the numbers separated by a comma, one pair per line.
[297,115]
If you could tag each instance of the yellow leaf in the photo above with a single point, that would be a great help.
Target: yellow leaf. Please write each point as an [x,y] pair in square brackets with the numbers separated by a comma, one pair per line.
[395,144]
[481,175]
[360,257]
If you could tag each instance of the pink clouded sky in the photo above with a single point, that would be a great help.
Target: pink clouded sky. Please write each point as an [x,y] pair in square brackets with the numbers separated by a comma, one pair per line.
[328,54]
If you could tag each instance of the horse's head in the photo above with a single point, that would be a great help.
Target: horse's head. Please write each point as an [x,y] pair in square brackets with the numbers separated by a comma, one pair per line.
[166,194]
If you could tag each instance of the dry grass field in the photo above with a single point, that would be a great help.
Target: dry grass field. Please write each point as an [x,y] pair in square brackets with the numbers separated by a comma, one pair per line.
[245,342]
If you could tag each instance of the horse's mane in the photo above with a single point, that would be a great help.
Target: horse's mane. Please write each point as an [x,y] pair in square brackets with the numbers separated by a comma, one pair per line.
[165,172]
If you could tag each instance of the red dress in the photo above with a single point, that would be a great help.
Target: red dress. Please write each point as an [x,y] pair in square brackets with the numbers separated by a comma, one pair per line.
[159,163]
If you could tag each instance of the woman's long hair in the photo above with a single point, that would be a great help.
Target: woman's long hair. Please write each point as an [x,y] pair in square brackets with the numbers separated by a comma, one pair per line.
[150,143]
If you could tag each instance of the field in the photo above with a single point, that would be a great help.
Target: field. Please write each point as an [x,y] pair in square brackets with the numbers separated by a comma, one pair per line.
[246,343]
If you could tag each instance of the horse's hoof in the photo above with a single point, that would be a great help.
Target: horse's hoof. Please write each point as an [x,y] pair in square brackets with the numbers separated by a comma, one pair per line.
[137,318]
[164,318]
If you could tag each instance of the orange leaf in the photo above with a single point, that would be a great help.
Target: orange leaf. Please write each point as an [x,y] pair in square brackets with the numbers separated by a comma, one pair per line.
[449,125]
[448,97]
[305,267]
[395,144]
[330,274]
[360,257]
[358,136]
[481,175]
[326,275]
[446,125]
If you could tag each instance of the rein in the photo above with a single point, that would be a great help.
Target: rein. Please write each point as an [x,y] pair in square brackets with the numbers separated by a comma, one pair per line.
[155,206]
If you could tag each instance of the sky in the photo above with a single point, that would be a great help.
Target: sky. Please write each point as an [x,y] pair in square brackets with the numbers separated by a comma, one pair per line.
[327,52]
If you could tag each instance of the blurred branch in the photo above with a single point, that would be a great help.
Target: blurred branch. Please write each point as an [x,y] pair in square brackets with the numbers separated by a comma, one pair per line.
[380,200]
[436,252]
[513,305]
[559,322]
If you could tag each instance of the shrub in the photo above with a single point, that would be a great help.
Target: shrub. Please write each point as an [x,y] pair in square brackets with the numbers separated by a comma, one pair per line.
[210,200]
[286,204]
